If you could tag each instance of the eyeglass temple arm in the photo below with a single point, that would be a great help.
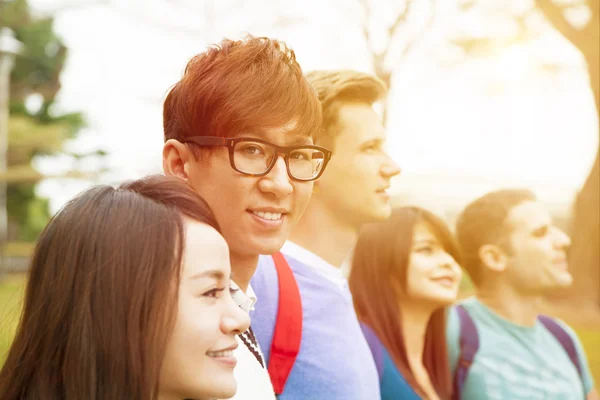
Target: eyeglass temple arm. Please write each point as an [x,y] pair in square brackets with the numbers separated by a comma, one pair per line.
[207,140]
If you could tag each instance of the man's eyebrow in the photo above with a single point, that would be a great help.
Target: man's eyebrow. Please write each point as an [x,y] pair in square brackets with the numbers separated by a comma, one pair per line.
[212,273]
[374,140]
[540,228]
[300,140]
[425,241]
[254,134]
[292,139]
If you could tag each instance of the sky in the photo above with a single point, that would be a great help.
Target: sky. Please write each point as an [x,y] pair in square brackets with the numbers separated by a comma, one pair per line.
[457,128]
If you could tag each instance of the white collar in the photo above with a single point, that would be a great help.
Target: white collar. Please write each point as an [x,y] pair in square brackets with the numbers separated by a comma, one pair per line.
[245,301]
[329,271]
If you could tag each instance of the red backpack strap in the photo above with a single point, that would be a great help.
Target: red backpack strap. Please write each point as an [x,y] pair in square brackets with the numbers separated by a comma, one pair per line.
[288,326]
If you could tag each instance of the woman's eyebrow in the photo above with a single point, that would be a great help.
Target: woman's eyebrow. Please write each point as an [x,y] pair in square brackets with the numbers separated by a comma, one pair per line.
[212,273]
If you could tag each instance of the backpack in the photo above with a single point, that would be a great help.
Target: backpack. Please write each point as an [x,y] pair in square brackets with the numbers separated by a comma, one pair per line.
[469,344]
[376,348]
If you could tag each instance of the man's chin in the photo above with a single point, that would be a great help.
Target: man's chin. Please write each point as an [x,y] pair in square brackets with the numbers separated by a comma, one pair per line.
[269,247]
[560,280]
[258,246]
[380,214]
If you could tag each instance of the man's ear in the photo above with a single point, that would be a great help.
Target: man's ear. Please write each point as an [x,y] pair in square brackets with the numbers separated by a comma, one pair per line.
[176,159]
[493,257]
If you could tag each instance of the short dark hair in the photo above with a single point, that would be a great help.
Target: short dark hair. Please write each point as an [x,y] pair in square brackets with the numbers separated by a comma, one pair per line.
[338,86]
[482,222]
[102,288]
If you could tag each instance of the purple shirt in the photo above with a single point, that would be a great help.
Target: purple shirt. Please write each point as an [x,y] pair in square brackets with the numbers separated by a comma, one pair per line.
[334,361]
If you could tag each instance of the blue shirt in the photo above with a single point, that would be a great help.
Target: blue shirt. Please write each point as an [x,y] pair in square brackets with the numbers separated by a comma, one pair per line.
[334,361]
[393,385]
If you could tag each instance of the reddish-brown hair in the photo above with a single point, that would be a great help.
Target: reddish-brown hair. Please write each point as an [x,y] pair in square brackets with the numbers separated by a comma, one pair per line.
[238,87]
[381,257]
[102,293]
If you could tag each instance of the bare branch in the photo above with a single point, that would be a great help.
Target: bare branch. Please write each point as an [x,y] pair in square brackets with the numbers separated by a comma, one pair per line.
[419,37]
[554,14]
[184,7]
[466,5]
[74,5]
[400,18]
[287,21]
[367,36]
[365,29]
[367,7]
[145,19]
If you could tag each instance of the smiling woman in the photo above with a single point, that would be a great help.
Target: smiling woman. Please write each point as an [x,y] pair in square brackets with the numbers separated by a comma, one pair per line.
[405,272]
[128,297]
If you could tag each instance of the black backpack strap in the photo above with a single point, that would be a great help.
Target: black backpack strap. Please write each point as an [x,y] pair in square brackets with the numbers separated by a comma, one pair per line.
[468,345]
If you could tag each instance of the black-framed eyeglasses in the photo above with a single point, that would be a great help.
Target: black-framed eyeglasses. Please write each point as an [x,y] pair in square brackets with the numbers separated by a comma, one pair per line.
[256,157]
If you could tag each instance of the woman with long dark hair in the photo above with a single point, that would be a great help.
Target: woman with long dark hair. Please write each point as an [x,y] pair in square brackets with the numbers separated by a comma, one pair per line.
[128,297]
[404,273]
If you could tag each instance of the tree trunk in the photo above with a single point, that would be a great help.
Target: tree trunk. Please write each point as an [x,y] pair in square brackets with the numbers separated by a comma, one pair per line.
[584,257]
[585,250]
[386,77]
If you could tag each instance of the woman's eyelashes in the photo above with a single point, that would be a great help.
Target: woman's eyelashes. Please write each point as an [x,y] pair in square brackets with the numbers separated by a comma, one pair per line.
[217,292]
[425,250]
[233,290]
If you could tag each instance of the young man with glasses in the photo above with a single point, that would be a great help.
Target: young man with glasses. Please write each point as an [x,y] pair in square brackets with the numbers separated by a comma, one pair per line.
[333,359]
[238,128]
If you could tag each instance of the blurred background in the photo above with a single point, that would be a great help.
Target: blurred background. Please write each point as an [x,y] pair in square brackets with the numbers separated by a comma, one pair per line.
[484,94]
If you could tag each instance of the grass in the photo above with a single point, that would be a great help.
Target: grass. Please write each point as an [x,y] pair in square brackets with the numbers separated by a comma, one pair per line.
[11,295]
[18,249]
[12,287]
[590,339]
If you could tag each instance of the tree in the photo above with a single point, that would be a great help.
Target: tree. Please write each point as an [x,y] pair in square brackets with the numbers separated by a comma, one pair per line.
[585,251]
[386,46]
[37,129]
[385,59]
[578,21]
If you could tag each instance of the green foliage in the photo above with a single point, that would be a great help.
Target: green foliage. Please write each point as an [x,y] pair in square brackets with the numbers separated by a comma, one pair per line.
[38,68]
[23,203]
[33,132]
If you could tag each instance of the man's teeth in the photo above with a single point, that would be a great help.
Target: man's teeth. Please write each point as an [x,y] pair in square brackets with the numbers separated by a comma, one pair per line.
[268,215]
[216,354]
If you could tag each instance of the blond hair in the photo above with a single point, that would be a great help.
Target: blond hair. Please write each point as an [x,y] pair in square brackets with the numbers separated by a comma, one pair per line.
[339,86]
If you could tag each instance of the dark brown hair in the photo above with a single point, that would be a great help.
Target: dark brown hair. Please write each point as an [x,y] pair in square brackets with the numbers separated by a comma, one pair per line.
[238,86]
[336,87]
[101,296]
[381,257]
[483,221]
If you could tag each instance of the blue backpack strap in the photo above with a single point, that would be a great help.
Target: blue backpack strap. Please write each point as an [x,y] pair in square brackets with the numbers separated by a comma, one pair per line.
[565,340]
[376,348]
[469,344]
